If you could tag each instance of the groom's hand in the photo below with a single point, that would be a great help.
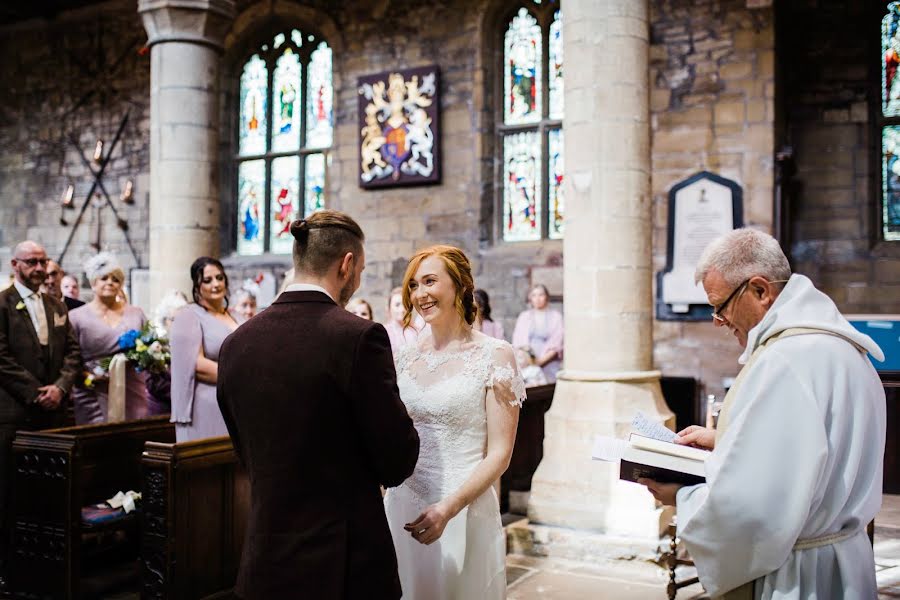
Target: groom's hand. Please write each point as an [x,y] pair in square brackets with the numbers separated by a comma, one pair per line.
[429,526]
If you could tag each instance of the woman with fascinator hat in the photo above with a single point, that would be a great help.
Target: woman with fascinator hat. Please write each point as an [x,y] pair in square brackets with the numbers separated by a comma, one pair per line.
[120,393]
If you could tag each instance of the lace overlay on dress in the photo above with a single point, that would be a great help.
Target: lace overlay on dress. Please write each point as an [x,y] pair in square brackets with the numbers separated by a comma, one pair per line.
[445,394]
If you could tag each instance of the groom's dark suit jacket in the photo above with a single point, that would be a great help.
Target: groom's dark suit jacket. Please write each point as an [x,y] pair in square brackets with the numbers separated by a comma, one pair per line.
[309,395]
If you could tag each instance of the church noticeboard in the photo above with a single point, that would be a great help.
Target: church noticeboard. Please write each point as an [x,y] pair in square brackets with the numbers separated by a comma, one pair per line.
[399,136]
[701,208]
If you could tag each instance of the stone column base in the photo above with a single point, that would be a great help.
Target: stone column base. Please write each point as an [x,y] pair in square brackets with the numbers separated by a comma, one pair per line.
[570,489]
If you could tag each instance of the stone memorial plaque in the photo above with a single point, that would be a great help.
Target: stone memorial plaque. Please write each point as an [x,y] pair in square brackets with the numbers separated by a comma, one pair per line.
[701,208]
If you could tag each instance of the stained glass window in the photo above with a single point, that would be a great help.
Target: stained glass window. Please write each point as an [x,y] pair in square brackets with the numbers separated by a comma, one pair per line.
[251,195]
[319,120]
[254,81]
[315,183]
[890,181]
[531,129]
[522,186]
[285,194]
[557,208]
[522,70]
[286,102]
[556,67]
[291,73]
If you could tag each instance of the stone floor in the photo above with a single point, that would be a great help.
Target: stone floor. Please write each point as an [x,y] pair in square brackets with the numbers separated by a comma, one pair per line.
[544,578]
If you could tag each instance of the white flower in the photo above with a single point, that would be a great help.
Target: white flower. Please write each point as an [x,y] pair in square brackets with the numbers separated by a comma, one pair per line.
[155,350]
[99,371]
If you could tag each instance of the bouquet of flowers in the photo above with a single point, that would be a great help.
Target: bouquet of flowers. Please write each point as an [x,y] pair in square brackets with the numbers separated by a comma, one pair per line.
[146,348]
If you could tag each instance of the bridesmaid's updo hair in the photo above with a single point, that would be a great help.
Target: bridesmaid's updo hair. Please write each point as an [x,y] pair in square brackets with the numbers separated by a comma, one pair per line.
[323,238]
[460,271]
[197,269]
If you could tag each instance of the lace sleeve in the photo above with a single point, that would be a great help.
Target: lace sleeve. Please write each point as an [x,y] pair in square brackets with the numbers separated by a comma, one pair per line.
[402,358]
[504,377]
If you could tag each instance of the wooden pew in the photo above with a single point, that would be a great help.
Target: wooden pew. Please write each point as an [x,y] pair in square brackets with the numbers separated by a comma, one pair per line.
[57,472]
[196,501]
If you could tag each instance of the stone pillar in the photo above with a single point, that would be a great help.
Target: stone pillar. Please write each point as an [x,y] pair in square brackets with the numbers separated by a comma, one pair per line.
[608,359]
[185,38]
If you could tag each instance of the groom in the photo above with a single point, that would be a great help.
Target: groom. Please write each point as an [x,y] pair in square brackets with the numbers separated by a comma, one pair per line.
[309,394]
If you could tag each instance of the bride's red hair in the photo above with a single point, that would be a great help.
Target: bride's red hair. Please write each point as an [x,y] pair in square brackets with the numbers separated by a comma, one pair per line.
[460,270]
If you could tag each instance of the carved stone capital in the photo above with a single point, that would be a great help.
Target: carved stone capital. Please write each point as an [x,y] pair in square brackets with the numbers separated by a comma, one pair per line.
[202,22]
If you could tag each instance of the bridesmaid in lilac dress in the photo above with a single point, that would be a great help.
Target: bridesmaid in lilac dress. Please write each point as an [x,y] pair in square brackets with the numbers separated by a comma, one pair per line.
[195,338]
[98,325]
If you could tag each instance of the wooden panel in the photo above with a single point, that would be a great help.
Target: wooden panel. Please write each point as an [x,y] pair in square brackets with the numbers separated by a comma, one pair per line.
[891,381]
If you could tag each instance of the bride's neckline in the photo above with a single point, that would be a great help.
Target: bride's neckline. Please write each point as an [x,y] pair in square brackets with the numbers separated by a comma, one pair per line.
[474,339]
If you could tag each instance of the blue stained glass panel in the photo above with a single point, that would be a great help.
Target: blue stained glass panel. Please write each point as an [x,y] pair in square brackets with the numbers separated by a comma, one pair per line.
[556,67]
[285,202]
[890,182]
[252,131]
[251,199]
[522,72]
[315,183]
[521,187]
[286,102]
[319,119]
[557,168]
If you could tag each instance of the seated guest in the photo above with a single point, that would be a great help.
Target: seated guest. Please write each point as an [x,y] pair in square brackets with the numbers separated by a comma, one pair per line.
[116,393]
[483,321]
[159,385]
[196,336]
[399,334]
[360,308]
[541,329]
[796,469]
[245,299]
[531,373]
[53,285]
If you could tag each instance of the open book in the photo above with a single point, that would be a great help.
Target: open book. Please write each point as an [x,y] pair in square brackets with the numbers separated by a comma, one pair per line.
[644,454]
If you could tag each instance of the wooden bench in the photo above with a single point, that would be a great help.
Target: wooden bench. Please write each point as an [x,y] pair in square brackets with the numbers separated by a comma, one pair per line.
[529,448]
[196,500]
[56,473]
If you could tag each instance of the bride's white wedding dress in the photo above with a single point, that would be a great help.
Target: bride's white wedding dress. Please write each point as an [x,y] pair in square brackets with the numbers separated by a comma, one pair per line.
[445,394]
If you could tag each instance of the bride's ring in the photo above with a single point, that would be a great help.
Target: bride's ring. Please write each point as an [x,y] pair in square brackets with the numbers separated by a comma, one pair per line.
[421,531]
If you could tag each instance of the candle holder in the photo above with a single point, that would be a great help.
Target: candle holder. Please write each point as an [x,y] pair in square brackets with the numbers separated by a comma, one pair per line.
[127,195]
[98,152]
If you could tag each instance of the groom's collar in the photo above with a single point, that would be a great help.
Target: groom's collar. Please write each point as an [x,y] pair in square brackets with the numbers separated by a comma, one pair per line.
[306,287]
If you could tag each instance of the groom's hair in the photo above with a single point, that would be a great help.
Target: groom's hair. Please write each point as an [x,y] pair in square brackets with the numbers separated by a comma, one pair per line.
[323,238]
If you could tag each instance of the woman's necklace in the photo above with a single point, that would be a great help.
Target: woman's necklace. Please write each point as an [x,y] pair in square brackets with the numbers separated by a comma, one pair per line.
[111,315]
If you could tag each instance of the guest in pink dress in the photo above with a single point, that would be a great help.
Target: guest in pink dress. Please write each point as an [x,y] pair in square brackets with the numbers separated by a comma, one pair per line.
[483,321]
[541,329]
[98,325]
[399,335]
[196,337]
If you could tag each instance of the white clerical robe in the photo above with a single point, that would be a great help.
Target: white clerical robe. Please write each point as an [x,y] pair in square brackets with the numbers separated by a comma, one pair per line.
[801,458]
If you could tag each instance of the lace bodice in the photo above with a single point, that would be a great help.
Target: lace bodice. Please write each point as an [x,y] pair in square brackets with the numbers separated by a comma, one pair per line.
[445,394]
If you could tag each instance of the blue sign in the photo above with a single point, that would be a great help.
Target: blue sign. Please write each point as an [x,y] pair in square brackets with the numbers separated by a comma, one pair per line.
[886,333]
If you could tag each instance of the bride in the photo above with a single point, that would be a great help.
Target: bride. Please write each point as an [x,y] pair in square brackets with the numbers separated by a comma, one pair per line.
[463,392]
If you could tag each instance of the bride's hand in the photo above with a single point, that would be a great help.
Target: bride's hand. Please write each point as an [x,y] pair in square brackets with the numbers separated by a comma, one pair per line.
[429,526]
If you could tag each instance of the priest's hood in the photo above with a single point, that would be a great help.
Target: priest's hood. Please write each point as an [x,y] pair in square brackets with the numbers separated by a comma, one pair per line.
[800,304]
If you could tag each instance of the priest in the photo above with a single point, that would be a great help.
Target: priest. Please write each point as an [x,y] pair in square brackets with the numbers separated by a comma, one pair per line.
[796,469]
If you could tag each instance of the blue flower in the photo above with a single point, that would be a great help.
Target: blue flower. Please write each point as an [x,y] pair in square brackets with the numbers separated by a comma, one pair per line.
[127,339]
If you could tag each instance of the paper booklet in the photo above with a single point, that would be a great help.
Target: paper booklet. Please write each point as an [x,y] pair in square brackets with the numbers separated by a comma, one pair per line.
[651,452]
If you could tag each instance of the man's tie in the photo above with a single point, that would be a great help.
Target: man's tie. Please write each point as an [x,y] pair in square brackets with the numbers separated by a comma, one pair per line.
[38,305]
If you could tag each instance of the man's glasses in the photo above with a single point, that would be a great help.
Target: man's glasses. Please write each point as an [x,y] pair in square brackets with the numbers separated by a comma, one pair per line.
[718,310]
[33,262]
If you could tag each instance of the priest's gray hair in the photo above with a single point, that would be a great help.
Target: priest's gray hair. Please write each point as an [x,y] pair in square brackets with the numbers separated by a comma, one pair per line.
[741,254]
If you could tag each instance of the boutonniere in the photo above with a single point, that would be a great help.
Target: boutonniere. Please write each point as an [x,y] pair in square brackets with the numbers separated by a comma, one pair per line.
[20,305]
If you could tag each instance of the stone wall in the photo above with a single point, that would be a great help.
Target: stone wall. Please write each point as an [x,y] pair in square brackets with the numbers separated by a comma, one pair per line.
[712,78]
[75,76]
[831,97]
[461,37]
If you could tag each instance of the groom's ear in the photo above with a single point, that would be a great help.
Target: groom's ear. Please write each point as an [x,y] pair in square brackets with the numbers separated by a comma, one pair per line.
[346,267]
